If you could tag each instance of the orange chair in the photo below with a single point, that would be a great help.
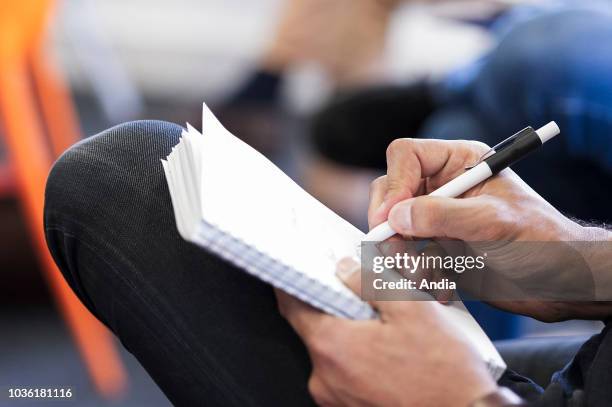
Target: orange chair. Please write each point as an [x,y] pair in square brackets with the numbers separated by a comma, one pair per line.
[7,184]
[28,79]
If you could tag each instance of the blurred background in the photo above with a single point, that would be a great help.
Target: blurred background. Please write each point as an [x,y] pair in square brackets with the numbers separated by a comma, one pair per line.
[319,86]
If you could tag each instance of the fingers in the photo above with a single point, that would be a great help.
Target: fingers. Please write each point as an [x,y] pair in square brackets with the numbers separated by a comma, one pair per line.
[404,170]
[411,161]
[348,270]
[321,393]
[476,218]
[306,320]
[378,189]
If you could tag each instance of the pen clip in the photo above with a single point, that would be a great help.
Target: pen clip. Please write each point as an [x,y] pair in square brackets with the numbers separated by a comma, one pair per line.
[499,146]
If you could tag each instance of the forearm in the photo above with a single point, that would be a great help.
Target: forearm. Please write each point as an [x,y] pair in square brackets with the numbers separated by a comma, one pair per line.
[598,255]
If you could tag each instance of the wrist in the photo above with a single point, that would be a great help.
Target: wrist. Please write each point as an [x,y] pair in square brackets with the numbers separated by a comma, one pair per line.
[595,249]
[500,397]
[590,233]
[570,231]
[477,383]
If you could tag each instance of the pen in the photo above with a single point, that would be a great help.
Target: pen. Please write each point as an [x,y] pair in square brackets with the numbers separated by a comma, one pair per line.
[514,149]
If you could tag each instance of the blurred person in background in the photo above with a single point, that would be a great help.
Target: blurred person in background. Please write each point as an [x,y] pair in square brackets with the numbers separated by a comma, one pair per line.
[551,62]
[345,38]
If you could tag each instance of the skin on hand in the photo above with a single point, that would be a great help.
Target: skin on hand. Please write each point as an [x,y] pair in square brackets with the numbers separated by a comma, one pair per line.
[409,357]
[501,209]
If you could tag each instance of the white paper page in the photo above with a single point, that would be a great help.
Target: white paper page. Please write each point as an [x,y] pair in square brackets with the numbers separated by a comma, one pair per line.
[247,196]
[218,178]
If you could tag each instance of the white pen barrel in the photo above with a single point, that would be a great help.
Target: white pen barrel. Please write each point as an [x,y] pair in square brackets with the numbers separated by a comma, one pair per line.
[380,233]
[464,182]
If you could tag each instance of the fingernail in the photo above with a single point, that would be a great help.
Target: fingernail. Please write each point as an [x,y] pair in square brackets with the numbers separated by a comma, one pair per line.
[346,267]
[400,217]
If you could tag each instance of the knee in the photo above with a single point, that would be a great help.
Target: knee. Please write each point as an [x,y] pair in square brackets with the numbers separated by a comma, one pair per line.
[102,195]
[102,177]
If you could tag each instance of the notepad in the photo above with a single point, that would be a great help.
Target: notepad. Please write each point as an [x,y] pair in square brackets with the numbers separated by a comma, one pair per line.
[232,201]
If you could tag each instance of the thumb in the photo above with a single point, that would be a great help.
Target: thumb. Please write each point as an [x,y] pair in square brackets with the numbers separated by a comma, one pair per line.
[348,270]
[433,216]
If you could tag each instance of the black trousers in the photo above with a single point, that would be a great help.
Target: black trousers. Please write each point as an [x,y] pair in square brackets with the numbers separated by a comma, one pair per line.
[207,333]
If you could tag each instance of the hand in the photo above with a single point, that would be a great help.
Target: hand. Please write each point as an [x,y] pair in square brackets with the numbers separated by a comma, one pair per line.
[409,357]
[502,209]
